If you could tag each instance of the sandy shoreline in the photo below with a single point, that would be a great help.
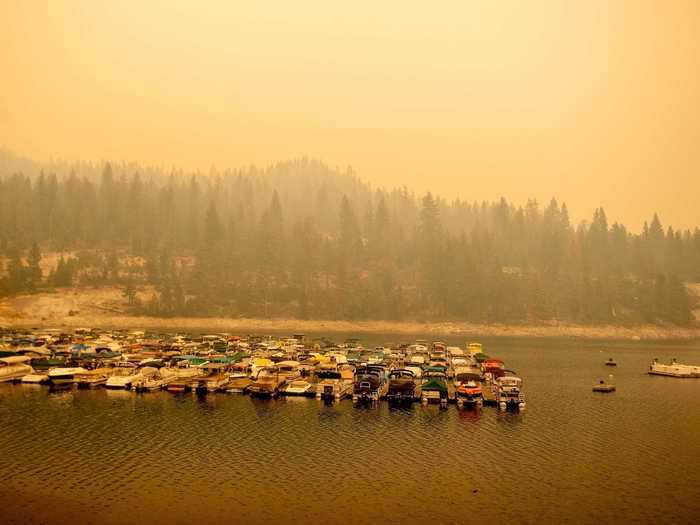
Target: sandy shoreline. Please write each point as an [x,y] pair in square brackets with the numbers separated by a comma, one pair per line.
[105,308]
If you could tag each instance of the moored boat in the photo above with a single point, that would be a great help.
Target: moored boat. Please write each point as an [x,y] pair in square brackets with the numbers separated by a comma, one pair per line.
[334,381]
[238,385]
[92,378]
[124,377]
[123,374]
[35,379]
[434,387]
[14,368]
[64,375]
[215,376]
[266,383]
[369,384]
[469,394]
[298,387]
[45,363]
[402,386]
[495,367]
[509,393]
[149,384]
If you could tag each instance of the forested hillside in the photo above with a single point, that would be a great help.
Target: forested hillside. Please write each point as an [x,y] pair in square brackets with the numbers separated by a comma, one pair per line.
[299,239]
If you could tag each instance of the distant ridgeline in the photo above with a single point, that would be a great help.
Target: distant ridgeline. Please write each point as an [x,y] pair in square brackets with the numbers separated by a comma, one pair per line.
[299,239]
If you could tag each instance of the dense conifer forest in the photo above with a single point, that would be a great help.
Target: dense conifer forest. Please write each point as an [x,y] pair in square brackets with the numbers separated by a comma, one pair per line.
[300,239]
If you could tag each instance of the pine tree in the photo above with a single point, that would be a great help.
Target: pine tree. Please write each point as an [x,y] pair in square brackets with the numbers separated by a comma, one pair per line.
[213,230]
[678,307]
[349,229]
[17,274]
[34,273]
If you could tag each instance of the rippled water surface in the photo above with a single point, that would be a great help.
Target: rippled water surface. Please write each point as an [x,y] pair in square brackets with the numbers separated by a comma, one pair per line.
[574,456]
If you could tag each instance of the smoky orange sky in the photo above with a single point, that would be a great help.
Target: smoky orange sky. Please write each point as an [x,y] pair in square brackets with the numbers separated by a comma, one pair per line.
[594,102]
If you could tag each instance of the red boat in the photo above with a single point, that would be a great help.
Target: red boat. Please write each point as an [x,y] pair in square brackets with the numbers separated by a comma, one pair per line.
[470,394]
[495,367]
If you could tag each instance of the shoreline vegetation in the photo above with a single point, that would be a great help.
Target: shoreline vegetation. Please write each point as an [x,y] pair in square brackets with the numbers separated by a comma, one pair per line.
[300,240]
[103,307]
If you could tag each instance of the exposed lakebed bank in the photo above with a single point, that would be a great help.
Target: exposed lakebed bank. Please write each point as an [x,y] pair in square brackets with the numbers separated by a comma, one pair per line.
[105,307]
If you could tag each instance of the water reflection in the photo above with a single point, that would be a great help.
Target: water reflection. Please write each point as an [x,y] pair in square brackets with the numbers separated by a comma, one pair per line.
[118,394]
[205,402]
[469,415]
[571,457]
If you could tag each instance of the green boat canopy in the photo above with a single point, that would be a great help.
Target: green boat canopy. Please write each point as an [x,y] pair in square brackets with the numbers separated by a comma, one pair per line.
[227,360]
[435,384]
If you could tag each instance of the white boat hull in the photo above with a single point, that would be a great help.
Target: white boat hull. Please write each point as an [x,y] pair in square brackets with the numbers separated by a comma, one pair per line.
[14,373]
[674,370]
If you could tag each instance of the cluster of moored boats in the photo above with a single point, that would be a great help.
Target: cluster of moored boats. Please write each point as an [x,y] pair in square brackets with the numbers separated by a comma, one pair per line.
[261,367]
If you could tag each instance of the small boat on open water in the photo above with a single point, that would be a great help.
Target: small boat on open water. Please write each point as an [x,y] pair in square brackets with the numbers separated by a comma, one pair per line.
[604,387]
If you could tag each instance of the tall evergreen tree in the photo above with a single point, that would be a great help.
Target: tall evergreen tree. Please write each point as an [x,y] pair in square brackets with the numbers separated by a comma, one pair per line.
[34,273]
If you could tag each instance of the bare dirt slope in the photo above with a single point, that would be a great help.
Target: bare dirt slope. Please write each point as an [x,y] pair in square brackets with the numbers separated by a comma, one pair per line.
[106,307]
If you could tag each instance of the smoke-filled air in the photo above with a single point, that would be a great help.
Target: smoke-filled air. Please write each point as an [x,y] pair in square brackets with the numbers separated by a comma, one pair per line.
[349,263]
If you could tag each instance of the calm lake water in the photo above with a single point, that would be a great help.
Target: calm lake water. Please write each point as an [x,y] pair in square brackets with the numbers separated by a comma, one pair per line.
[574,456]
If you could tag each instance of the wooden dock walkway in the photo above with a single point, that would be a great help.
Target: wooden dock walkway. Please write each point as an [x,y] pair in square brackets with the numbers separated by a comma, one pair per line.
[451,392]
[488,393]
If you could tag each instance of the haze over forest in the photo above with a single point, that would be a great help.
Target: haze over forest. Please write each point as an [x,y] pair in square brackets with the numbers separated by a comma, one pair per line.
[484,162]
[301,240]
[594,103]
